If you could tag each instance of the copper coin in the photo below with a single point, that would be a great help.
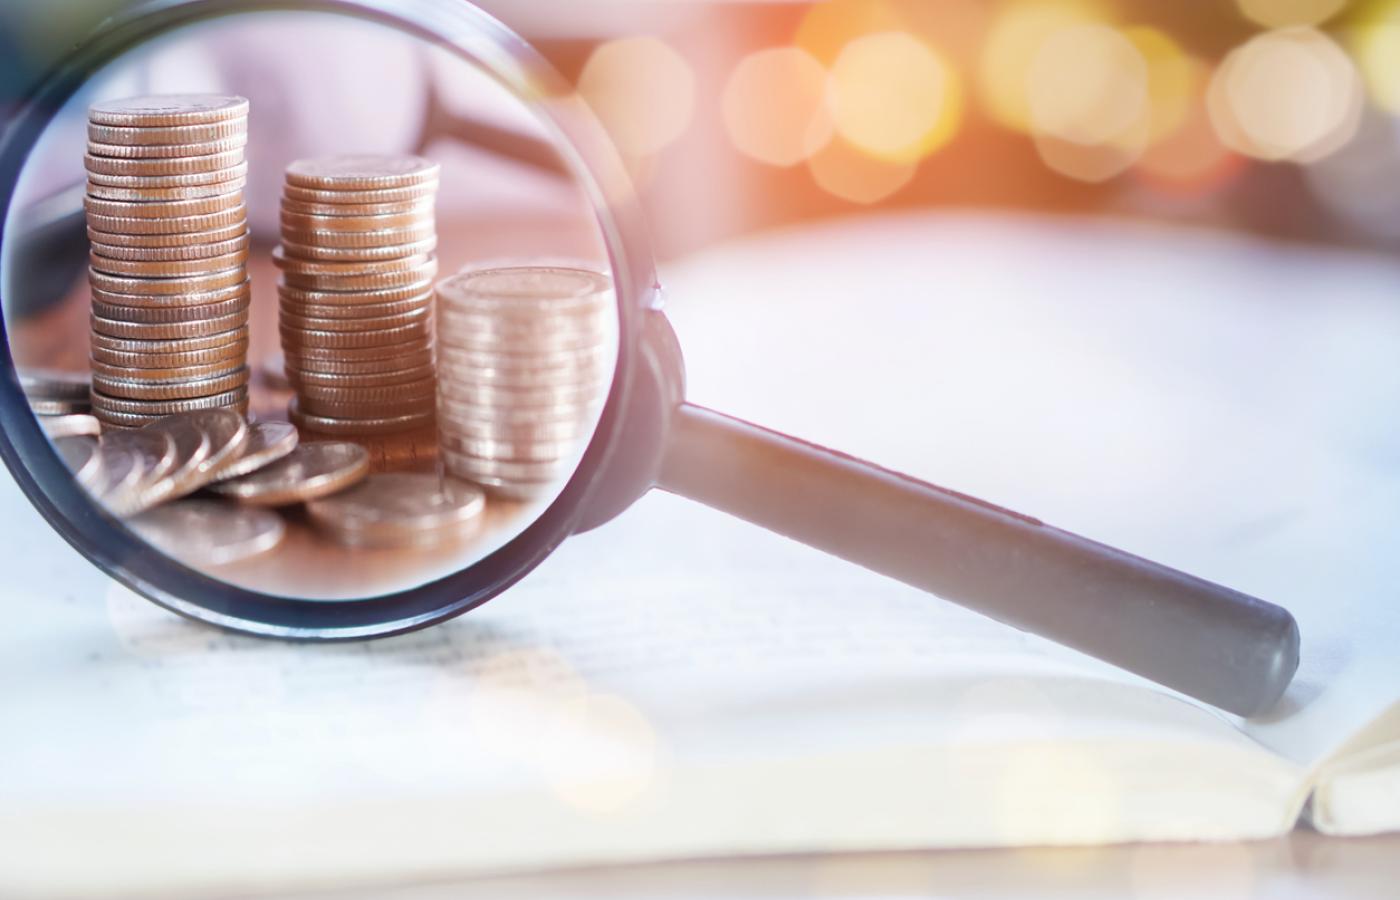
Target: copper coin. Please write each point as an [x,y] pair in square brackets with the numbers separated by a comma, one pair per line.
[196,298]
[232,174]
[296,222]
[356,310]
[167,268]
[171,254]
[171,345]
[335,367]
[128,135]
[168,373]
[420,208]
[212,235]
[294,339]
[188,284]
[359,283]
[164,209]
[168,331]
[103,403]
[347,255]
[382,323]
[312,406]
[267,443]
[167,151]
[201,532]
[53,384]
[165,110]
[383,295]
[175,225]
[376,197]
[150,457]
[188,192]
[362,172]
[399,509]
[152,315]
[381,393]
[310,471]
[171,360]
[306,379]
[192,448]
[308,356]
[113,419]
[355,427]
[70,425]
[358,267]
[170,390]
[325,239]
[147,168]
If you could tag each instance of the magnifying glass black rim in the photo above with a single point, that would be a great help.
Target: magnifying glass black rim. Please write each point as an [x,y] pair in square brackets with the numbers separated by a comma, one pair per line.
[480,40]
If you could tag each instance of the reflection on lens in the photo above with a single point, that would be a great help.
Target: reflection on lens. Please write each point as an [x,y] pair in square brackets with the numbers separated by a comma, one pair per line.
[415,423]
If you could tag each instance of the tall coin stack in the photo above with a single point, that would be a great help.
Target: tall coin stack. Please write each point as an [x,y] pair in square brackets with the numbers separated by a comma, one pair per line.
[523,362]
[357,260]
[168,273]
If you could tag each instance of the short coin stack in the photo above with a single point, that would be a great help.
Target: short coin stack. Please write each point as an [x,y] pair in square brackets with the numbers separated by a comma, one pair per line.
[169,233]
[357,260]
[523,359]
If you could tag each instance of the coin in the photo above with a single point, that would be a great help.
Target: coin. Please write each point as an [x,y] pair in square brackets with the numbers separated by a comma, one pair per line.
[267,443]
[361,282]
[168,151]
[42,407]
[422,208]
[490,448]
[213,235]
[163,209]
[186,192]
[229,175]
[167,331]
[525,378]
[361,172]
[305,266]
[473,393]
[356,427]
[355,325]
[166,361]
[367,243]
[312,470]
[166,110]
[52,384]
[102,404]
[294,339]
[172,254]
[300,222]
[399,509]
[79,454]
[333,366]
[238,216]
[236,291]
[186,284]
[148,168]
[154,456]
[166,268]
[505,469]
[111,419]
[306,379]
[129,389]
[486,341]
[169,373]
[404,392]
[229,436]
[312,357]
[170,314]
[192,448]
[356,310]
[177,345]
[70,425]
[357,410]
[206,532]
[176,135]
[377,197]
[416,290]
[529,289]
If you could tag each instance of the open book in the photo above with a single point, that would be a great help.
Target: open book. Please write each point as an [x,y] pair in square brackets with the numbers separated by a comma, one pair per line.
[680,684]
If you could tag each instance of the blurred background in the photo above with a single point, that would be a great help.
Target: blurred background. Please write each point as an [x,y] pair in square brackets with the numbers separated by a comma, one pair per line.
[1274,117]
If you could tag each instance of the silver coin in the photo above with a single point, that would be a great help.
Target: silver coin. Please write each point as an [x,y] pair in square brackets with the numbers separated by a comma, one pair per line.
[588,359]
[511,469]
[192,448]
[582,396]
[533,451]
[202,532]
[597,379]
[508,488]
[485,342]
[50,384]
[400,509]
[527,289]
[267,443]
[555,414]
[71,425]
[523,328]
[315,469]
[464,427]
[79,454]
[154,456]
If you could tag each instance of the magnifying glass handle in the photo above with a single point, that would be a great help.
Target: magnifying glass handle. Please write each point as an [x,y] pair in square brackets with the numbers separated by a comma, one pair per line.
[1209,642]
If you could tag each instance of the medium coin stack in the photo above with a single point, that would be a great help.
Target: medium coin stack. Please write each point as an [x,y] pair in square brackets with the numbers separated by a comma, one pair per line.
[357,260]
[523,361]
[169,233]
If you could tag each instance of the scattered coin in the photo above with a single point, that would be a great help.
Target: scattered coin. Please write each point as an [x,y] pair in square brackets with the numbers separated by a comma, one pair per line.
[50,384]
[400,509]
[206,532]
[312,470]
[71,425]
[192,449]
[135,462]
[267,443]
[79,454]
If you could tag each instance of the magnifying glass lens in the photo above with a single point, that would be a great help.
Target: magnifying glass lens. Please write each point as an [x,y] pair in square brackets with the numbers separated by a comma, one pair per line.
[254,289]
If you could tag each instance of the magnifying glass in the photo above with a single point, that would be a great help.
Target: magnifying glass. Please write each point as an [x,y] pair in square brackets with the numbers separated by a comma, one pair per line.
[1204,640]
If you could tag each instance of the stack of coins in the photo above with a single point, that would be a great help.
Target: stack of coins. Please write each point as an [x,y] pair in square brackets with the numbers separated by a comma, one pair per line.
[357,266]
[169,234]
[523,360]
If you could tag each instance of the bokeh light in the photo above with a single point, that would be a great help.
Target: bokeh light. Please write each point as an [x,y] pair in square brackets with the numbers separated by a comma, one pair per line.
[1191,159]
[775,106]
[1283,13]
[894,97]
[1086,84]
[1173,79]
[1291,94]
[642,90]
[1092,163]
[1376,44]
[846,171]
[1016,33]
